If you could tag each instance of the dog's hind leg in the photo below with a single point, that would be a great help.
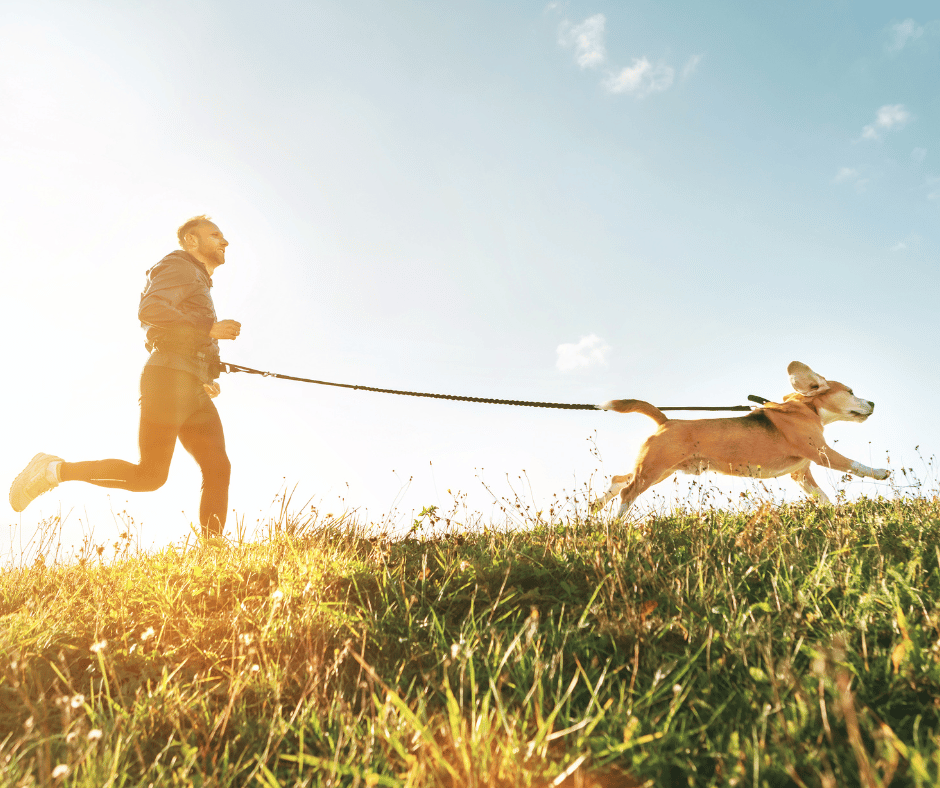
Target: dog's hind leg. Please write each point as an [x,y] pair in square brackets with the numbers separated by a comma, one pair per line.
[617,483]
[630,493]
[642,480]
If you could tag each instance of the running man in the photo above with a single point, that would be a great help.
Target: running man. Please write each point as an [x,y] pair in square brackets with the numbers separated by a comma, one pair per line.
[177,385]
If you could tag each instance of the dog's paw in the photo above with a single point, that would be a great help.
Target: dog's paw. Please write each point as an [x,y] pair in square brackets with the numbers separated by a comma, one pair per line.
[881,474]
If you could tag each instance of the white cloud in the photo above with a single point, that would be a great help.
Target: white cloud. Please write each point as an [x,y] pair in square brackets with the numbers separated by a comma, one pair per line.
[641,79]
[691,66]
[852,176]
[931,182]
[589,352]
[903,33]
[890,116]
[846,173]
[912,243]
[587,40]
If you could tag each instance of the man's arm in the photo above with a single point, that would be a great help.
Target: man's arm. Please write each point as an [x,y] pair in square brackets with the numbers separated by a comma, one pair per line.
[225,329]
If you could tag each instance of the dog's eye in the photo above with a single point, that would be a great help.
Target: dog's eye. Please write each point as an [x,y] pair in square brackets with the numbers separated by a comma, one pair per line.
[851,392]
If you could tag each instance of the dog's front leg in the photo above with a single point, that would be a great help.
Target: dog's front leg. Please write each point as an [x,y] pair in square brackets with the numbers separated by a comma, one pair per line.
[831,458]
[805,479]
[863,470]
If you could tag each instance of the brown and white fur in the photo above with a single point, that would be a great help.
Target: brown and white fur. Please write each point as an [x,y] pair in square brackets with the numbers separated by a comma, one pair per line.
[773,439]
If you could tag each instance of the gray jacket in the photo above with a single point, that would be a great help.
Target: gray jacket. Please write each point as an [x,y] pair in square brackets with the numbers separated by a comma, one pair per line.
[177,313]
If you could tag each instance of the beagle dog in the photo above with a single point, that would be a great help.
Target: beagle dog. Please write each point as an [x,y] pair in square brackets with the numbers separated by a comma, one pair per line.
[773,439]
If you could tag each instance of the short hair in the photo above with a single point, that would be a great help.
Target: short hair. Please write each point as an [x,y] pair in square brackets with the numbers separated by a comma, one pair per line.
[189,225]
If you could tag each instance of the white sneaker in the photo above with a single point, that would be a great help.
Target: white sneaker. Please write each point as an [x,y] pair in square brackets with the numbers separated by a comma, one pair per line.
[33,481]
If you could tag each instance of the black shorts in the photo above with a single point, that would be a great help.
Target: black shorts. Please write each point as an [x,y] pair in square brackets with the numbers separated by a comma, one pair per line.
[173,397]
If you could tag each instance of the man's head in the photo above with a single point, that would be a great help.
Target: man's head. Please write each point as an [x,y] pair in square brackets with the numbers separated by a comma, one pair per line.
[203,240]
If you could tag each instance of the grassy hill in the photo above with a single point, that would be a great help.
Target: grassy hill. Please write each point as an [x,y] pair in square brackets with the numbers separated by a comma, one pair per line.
[792,646]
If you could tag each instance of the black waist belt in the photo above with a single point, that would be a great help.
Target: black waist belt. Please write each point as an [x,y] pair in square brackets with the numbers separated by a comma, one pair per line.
[181,350]
[213,366]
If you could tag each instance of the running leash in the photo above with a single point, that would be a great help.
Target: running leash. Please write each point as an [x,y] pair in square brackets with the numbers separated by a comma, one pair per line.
[226,367]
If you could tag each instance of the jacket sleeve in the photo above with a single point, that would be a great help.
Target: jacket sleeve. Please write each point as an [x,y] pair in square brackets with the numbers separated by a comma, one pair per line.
[161,303]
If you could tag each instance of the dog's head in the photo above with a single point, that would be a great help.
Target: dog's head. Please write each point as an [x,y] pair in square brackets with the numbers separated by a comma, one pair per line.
[832,400]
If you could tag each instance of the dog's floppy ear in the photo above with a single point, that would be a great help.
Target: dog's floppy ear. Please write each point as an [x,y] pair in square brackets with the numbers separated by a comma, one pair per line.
[805,381]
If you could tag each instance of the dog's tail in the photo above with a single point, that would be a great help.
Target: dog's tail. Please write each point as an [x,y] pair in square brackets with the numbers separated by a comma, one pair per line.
[636,406]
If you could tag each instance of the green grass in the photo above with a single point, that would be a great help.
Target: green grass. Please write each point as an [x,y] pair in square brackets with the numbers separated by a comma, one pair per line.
[793,645]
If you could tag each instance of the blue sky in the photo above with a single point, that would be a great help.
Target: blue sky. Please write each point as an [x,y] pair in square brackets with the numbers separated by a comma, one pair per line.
[572,201]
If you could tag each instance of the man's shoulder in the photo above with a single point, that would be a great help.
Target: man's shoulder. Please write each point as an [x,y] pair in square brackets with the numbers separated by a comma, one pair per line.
[179,265]
[179,257]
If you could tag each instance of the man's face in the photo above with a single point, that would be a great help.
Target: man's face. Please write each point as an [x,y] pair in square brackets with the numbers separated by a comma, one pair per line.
[209,244]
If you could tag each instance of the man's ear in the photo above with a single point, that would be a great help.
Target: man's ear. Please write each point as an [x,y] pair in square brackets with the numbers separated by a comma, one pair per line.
[805,381]
[190,242]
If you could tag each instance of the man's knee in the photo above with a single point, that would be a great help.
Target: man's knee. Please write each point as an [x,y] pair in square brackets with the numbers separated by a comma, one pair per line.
[151,479]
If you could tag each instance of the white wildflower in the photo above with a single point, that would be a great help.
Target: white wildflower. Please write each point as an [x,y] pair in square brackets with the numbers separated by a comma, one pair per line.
[60,771]
[94,734]
[101,644]
[147,634]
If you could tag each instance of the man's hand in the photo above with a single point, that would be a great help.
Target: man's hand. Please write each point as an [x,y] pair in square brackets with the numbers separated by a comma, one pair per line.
[212,389]
[225,329]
